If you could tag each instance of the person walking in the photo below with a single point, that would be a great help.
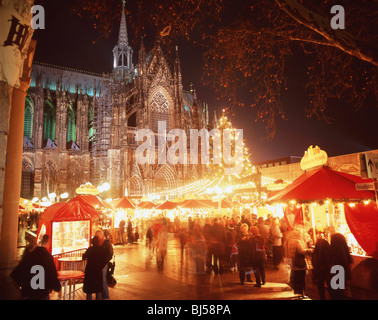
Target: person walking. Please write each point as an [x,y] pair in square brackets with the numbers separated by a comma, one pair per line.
[37,262]
[121,226]
[130,237]
[161,247]
[218,235]
[245,254]
[97,259]
[108,247]
[297,249]
[232,249]
[340,255]
[198,250]
[321,266]
[258,256]
[277,242]
[206,231]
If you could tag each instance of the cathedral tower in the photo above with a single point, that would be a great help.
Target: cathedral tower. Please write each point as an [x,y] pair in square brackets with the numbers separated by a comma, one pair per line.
[123,53]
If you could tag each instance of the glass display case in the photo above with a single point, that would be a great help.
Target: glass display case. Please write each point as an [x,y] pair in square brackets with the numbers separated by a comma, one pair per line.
[70,235]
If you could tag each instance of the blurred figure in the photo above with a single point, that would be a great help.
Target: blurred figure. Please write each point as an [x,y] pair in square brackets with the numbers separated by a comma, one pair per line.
[340,255]
[297,249]
[23,275]
[218,235]
[161,247]
[258,253]
[245,254]
[183,236]
[198,250]
[277,242]
[206,231]
[232,249]
[321,265]
[130,237]
[96,261]
[121,226]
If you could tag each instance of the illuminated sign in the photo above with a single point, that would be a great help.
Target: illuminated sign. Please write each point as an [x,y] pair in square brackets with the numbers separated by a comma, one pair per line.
[313,157]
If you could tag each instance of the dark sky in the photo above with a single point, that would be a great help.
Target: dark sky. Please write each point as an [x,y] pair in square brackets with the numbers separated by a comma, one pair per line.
[68,41]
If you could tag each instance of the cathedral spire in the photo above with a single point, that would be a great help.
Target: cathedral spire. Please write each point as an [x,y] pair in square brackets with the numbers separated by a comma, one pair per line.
[122,38]
[122,52]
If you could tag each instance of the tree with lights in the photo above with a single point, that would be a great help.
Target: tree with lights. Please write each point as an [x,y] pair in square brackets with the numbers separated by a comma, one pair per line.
[217,166]
[248,44]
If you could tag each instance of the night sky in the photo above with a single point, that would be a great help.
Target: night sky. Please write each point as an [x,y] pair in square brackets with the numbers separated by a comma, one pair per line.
[68,41]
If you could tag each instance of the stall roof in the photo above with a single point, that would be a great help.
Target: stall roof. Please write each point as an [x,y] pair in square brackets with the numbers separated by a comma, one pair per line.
[194,204]
[73,210]
[93,200]
[168,205]
[147,205]
[323,184]
[124,203]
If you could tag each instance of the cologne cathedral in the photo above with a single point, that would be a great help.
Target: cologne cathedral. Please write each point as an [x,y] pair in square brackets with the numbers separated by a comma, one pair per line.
[80,126]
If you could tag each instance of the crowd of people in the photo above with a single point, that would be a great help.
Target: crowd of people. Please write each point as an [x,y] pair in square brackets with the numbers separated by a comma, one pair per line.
[216,245]
[231,244]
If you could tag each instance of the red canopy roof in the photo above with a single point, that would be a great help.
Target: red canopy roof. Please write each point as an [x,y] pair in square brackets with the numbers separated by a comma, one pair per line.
[146,205]
[93,200]
[323,184]
[73,210]
[168,205]
[124,203]
[194,204]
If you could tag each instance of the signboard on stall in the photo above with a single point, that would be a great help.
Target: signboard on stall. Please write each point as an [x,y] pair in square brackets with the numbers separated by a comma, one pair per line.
[365,186]
[313,158]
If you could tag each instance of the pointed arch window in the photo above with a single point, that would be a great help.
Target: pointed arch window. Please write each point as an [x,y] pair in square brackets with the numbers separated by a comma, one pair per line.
[71,125]
[28,116]
[49,121]
[159,111]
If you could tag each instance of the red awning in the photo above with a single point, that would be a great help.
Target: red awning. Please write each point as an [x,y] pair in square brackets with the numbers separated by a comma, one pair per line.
[93,200]
[124,203]
[73,210]
[323,184]
[168,205]
[195,204]
[146,205]
[363,223]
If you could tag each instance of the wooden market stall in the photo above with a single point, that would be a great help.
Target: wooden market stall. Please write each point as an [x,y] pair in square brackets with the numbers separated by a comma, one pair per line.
[68,224]
[123,209]
[331,203]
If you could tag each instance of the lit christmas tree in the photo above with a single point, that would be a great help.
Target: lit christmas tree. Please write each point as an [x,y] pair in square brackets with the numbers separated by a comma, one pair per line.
[217,165]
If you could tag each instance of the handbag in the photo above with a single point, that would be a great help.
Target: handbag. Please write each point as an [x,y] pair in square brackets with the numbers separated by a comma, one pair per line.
[299,260]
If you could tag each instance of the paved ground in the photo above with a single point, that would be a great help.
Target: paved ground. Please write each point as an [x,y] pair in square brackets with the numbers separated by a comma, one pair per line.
[138,279]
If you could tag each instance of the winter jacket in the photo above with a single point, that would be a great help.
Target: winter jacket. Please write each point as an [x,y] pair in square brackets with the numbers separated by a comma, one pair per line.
[23,274]
[97,258]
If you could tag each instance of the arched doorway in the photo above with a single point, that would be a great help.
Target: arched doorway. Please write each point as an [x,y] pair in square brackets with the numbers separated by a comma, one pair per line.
[165,179]
[136,187]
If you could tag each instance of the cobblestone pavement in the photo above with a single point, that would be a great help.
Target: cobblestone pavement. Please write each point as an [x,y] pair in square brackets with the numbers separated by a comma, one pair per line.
[138,278]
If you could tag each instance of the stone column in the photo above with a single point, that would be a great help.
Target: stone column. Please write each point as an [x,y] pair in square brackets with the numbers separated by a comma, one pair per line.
[13,168]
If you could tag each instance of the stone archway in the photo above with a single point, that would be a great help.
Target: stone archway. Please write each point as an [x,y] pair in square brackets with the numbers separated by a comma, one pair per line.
[136,186]
[165,179]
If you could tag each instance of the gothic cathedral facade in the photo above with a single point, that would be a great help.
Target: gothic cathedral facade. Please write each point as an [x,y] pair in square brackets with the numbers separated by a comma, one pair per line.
[80,126]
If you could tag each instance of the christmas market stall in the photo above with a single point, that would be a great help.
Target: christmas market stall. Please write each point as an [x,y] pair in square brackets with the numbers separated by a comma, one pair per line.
[123,210]
[68,225]
[326,201]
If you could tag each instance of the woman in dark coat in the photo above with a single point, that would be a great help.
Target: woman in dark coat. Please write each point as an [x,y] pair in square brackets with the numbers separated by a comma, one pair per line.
[96,257]
[321,265]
